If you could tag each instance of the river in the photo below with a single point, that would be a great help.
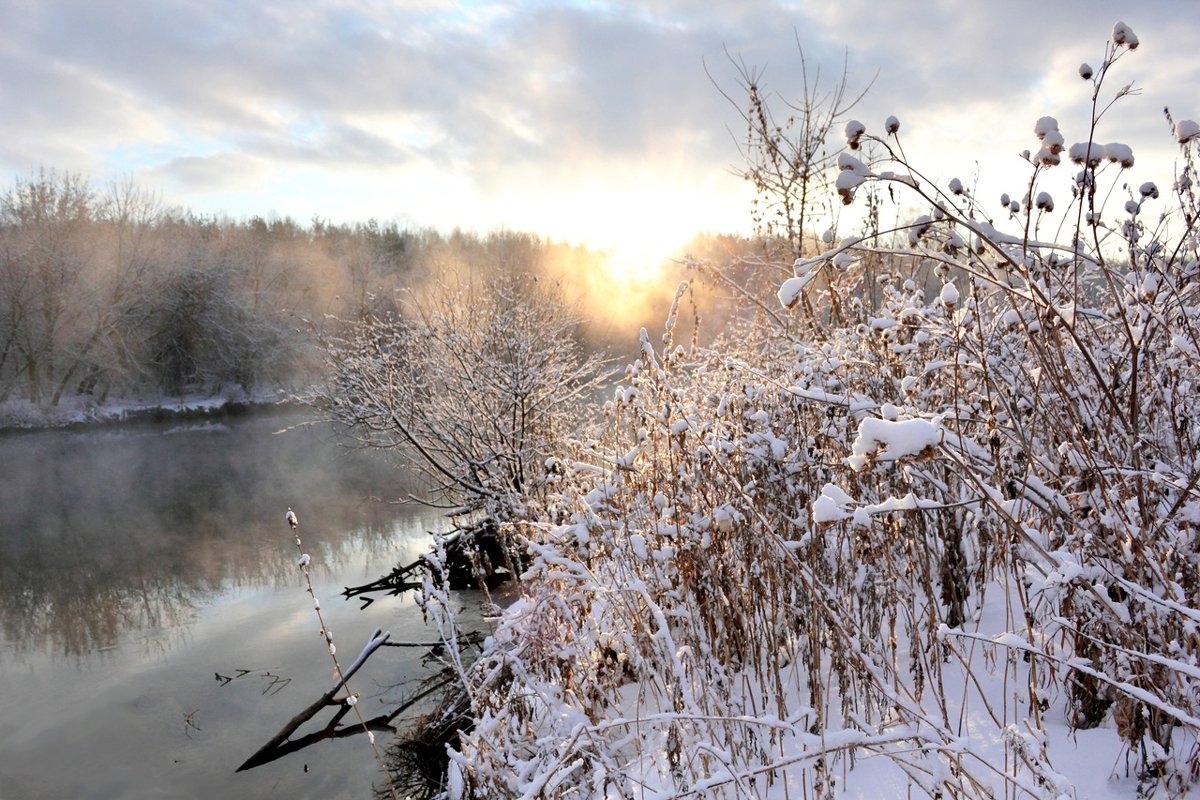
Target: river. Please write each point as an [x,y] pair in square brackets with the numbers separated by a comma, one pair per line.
[156,629]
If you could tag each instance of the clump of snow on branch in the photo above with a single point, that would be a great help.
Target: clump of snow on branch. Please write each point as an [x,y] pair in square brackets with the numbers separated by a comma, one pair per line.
[1123,35]
[1186,130]
[885,440]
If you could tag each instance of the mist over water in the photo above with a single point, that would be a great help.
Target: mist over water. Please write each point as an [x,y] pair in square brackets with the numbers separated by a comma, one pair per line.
[137,564]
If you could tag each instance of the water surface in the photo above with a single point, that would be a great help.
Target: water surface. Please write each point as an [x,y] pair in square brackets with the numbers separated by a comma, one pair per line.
[155,626]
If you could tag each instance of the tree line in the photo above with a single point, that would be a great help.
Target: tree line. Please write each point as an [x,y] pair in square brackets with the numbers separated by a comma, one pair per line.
[106,292]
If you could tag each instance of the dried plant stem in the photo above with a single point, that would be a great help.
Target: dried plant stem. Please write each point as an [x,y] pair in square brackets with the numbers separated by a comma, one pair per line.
[343,677]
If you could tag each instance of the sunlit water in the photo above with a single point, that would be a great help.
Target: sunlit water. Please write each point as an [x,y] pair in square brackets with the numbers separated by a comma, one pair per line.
[140,568]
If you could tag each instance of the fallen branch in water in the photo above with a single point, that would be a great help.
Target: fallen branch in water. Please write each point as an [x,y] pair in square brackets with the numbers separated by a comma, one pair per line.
[266,752]
[280,745]
[465,549]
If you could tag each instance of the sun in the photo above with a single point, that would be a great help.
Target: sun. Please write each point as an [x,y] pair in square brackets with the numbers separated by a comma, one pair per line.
[633,226]
[631,265]
[628,284]
[640,257]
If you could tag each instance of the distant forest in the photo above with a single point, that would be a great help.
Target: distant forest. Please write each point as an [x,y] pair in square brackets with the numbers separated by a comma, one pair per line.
[108,293]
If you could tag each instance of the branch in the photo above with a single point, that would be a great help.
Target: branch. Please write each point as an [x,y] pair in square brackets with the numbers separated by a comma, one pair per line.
[266,752]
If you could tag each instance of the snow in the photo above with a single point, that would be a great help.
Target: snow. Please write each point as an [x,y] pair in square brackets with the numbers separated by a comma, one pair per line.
[1046,130]
[85,410]
[844,260]
[893,758]
[889,175]
[881,440]
[1043,126]
[837,494]
[724,519]
[899,555]
[1122,34]
[831,506]
[1090,153]
[848,163]
[1048,156]
[949,295]
[854,131]
[909,502]
[454,781]
[817,395]
[1119,154]
[1186,130]
[790,290]
[849,179]
[807,269]
[638,543]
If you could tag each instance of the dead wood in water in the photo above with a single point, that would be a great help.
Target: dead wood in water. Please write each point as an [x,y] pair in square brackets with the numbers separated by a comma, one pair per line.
[281,744]
[394,583]
[469,552]
[278,748]
[265,754]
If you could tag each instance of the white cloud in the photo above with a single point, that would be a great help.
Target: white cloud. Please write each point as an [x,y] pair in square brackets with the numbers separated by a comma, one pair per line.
[576,117]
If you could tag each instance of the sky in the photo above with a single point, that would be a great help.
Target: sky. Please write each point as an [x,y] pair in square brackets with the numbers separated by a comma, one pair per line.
[607,123]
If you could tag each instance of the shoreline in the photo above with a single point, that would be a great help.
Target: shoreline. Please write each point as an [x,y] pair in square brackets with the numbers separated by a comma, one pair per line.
[18,418]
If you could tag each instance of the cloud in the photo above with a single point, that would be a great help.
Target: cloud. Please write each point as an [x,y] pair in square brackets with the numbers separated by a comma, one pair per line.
[207,173]
[511,84]
[489,103]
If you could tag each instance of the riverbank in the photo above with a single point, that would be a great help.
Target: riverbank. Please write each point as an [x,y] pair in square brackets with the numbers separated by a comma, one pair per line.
[85,412]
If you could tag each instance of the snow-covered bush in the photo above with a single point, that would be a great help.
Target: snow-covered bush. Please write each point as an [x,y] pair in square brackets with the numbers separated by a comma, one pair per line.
[1063,374]
[475,380]
[918,532]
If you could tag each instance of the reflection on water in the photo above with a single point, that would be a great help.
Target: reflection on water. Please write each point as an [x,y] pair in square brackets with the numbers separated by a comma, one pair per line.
[137,564]
[100,533]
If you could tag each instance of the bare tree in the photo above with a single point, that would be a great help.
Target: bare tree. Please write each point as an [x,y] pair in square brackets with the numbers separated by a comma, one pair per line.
[45,219]
[114,290]
[789,159]
[789,154]
[478,381]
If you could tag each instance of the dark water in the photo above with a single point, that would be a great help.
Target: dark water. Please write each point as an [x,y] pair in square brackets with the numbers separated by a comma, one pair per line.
[137,565]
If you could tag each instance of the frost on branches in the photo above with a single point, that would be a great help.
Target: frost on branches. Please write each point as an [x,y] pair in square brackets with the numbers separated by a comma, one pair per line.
[932,530]
[474,380]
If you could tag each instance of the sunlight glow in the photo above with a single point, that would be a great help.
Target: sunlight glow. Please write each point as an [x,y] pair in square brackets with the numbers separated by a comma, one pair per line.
[639,259]
[632,285]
